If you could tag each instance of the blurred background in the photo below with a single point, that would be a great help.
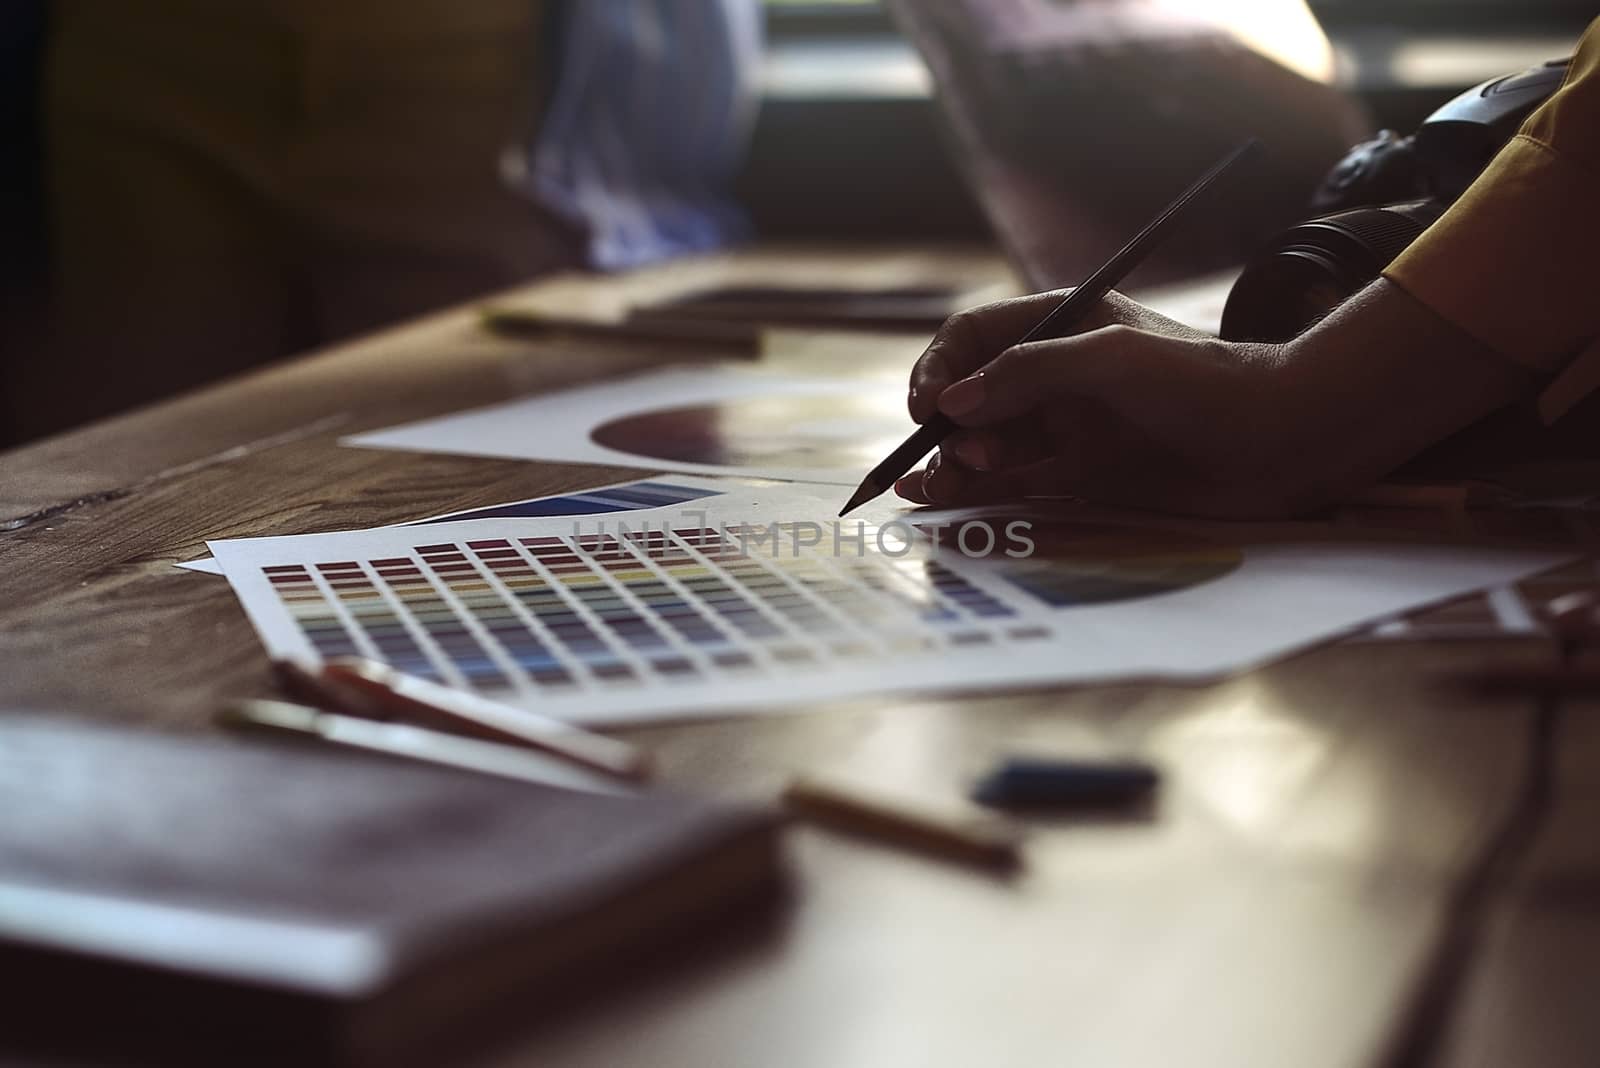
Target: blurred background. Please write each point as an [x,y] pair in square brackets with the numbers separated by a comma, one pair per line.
[191,189]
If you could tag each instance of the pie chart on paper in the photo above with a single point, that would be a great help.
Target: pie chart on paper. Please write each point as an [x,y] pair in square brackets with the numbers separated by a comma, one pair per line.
[1072,563]
[842,431]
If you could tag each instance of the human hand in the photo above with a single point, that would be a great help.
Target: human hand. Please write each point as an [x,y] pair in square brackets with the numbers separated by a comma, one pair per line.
[1141,411]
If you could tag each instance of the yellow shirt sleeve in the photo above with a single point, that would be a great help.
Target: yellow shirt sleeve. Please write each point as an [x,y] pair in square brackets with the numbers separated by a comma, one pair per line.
[1515,262]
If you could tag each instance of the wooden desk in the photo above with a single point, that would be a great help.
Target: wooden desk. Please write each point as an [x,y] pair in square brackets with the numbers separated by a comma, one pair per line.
[1276,910]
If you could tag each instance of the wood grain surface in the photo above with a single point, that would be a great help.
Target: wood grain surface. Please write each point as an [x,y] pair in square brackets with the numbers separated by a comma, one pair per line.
[1279,905]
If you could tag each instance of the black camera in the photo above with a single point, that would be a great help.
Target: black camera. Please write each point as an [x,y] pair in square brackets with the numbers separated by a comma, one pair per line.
[1374,203]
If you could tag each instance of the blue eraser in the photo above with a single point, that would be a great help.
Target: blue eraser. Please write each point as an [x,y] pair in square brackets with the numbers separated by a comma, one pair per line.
[1035,781]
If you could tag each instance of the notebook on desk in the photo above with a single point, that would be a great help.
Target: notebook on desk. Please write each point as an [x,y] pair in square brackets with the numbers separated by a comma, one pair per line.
[328,905]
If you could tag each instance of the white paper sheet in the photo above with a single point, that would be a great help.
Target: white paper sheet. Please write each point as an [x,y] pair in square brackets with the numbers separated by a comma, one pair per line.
[706,607]
[719,421]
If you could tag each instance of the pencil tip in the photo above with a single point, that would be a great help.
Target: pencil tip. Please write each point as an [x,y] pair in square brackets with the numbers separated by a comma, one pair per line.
[864,493]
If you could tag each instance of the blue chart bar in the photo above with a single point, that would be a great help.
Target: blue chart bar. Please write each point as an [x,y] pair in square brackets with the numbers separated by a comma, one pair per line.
[629,498]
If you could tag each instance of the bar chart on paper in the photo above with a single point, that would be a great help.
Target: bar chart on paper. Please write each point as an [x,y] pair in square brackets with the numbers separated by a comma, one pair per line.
[741,598]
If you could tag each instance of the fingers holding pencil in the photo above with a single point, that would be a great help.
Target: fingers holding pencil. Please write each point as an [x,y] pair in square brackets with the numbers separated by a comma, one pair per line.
[967,341]
[970,339]
[1124,417]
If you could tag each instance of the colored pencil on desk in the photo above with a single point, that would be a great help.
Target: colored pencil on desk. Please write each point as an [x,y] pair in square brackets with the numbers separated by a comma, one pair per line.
[372,690]
[957,830]
[424,700]
[415,743]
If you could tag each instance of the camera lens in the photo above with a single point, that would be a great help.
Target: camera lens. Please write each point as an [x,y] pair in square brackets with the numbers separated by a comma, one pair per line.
[1314,267]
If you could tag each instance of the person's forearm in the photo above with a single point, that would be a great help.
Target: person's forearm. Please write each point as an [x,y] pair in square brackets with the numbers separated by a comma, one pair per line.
[1382,378]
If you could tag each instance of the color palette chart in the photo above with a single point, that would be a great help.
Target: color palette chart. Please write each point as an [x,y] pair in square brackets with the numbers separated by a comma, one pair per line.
[554,614]
[724,595]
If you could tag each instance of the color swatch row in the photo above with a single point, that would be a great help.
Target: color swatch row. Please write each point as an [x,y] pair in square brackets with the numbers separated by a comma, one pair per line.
[606,610]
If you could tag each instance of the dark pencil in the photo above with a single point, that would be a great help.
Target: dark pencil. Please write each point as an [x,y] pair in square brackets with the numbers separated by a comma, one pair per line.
[1059,323]
[744,338]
